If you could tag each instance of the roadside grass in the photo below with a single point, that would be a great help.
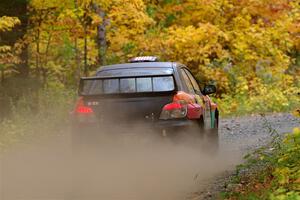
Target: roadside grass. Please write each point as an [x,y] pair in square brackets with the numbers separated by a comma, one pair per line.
[39,114]
[271,172]
[267,100]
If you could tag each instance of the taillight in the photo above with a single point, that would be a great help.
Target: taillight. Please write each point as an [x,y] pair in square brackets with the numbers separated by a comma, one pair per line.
[175,110]
[183,106]
[83,109]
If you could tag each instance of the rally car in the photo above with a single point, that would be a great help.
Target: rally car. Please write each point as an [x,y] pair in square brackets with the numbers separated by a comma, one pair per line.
[163,96]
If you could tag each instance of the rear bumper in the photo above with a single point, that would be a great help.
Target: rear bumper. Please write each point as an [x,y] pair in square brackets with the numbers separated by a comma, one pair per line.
[129,127]
[162,124]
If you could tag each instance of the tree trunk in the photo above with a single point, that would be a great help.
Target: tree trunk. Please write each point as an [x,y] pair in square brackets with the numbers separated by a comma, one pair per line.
[101,35]
[85,52]
[37,56]
[77,70]
[2,76]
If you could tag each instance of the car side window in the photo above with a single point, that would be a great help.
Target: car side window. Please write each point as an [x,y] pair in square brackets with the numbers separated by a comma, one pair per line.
[187,81]
[193,80]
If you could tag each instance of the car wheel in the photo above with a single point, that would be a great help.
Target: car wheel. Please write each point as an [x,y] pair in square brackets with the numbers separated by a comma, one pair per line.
[206,140]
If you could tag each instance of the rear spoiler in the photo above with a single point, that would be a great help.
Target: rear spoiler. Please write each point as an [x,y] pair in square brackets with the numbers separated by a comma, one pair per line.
[95,78]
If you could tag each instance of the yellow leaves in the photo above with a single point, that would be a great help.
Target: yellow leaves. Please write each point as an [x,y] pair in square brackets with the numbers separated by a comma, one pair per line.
[253,45]
[128,17]
[5,48]
[7,23]
[242,86]
[246,33]
[296,112]
[128,22]
[46,4]
[96,19]
[219,40]
[199,11]
[296,131]
[195,45]
[215,74]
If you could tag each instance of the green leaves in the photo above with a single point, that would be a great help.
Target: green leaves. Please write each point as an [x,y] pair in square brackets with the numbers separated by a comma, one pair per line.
[271,172]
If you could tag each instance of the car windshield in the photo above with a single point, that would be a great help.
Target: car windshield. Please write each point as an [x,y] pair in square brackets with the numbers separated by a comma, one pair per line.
[100,86]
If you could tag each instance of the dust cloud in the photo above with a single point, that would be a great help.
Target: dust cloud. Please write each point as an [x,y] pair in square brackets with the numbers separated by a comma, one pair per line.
[124,168]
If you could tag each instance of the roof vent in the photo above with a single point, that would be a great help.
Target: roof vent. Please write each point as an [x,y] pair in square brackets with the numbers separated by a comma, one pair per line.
[144,59]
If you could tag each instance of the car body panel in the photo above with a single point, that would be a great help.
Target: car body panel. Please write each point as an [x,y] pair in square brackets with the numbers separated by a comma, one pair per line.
[146,107]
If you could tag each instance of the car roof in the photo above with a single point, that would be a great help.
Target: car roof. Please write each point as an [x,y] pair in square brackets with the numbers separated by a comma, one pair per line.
[138,65]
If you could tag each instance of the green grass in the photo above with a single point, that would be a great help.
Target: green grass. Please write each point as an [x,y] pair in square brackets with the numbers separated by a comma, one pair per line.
[271,172]
[42,113]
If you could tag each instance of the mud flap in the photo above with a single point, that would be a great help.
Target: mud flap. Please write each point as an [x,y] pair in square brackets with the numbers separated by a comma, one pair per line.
[213,119]
[207,117]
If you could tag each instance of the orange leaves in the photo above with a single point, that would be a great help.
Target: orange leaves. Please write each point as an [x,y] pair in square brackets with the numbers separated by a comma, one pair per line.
[269,10]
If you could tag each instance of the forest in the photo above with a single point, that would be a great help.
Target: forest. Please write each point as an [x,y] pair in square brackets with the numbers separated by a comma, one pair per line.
[249,49]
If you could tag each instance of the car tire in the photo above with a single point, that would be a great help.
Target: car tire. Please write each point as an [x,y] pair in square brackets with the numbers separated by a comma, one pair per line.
[211,140]
[207,140]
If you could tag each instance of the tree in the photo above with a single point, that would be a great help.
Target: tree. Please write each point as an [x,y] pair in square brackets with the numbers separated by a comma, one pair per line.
[19,10]
[6,52]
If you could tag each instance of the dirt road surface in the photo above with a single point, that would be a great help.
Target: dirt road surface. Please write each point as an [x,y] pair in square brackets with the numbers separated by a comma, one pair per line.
[135,171]
[239,136]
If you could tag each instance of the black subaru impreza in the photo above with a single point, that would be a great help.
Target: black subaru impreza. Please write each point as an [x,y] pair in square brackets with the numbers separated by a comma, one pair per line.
[162,96]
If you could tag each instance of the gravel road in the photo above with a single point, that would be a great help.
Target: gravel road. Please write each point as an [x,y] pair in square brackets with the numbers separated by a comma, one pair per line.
[158,171]
[238,137]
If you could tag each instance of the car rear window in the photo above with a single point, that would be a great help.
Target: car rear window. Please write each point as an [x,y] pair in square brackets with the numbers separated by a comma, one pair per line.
[136,71]
[127,85]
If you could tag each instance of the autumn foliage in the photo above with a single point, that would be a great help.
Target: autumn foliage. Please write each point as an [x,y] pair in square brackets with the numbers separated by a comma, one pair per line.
[248,48]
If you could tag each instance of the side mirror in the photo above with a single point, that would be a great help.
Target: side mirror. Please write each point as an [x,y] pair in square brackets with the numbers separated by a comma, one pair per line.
[209,89]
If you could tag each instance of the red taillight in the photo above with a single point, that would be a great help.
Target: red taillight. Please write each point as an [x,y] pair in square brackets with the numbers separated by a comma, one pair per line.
[83,109]
[183,106]
[172,106]
[175,110]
